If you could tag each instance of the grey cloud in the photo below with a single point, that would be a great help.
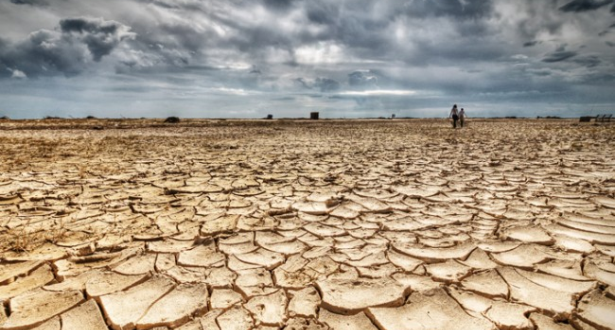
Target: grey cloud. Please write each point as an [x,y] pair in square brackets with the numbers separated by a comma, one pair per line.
[605,32]
[30,2]
[362,79]
[531,43]
[68,51]
[322,12]
[588,61]
[584,5]
[539,18]
[352,25]
[540,73]
[162,3]
[278,4]
[600,83]
[100,36]
[254,41]
[250,38]
[44,53]
[560,54]
[360,26]
[326,84]
[255,70]
[162,46]
[191,5]
[301,82]
[321,84]
[455,8]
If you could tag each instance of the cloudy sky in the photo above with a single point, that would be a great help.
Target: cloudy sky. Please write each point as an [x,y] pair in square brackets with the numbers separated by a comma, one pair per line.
[343,58]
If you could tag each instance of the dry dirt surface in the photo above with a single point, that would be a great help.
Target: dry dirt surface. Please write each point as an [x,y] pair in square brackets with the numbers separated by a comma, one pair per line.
[297,224]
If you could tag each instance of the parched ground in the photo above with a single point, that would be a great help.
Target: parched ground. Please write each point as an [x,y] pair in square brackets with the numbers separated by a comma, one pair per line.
[357,224]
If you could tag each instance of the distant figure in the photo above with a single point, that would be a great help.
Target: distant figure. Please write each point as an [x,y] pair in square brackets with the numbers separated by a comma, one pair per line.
[455,115]
[462,117]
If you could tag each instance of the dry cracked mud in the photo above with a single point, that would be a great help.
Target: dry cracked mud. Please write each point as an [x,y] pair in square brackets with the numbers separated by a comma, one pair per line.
[284,224]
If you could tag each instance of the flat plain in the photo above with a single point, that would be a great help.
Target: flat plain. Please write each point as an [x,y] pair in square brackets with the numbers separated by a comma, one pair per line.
[298,224]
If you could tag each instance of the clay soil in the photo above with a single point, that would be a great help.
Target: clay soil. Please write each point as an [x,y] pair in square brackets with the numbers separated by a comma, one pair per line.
[298,224]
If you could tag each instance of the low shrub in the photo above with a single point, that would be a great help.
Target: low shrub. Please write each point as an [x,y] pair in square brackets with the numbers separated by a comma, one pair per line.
[172,120]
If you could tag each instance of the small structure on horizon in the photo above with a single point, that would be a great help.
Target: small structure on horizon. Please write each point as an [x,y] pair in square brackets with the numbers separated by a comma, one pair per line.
[269,116]
[597,118]
[393,116]
[314,115]
[586,119]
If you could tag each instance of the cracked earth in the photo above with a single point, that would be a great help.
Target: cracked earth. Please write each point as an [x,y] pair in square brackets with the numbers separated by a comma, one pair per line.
[379,224]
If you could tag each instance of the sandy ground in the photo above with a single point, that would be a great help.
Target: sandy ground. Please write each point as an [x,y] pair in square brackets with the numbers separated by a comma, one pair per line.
[373,224]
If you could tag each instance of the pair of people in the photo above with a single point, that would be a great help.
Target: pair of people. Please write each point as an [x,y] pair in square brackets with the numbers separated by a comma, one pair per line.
[457,115]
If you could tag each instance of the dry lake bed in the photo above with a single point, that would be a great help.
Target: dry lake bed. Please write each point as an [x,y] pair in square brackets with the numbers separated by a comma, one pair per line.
[298,224]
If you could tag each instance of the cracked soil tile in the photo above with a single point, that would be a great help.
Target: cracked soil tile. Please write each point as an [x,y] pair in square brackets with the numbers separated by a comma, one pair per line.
[85,316]
[176,307]
[597,310]
[268,309]
[124,309]
[349,297]
[358,321]
[47,305]
[428,310]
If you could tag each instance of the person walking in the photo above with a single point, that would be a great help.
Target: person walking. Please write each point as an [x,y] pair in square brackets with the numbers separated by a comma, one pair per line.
[462,117]
[454,115]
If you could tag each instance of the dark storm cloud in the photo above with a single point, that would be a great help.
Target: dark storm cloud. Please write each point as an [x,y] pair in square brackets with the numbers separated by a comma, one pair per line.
[322,13]
[44,53]
[589,61]
[278,4]
[30,2]
[190,5]
[600,79]
[531,43]
[541,73]
[100,36]
[162,3]
[454,8]
[352,25]
[559,55]
[584,5]
[217,29]
[67,51]
[362,27]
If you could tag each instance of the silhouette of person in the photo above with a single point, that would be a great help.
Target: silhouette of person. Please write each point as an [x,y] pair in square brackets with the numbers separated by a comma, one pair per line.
[462,117]
[454,115]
